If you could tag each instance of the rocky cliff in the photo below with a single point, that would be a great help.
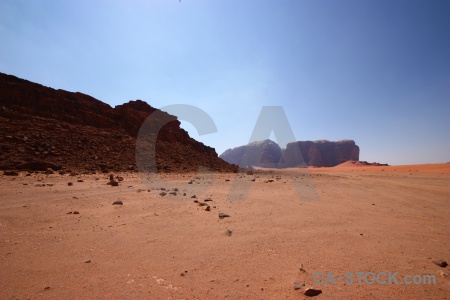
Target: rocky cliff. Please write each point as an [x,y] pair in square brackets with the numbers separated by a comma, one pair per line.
[303,153]
[261,153]
[320,153]
[77,131]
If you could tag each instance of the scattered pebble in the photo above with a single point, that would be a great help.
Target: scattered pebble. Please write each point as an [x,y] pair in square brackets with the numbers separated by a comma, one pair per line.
[310,292]
[442,273]
[70,183]
[298,285]
[229,232]
[76,212]
[193,196]
[87,262]
[223,215]
[118,202]
[162,194]
[440,262]
[208,199]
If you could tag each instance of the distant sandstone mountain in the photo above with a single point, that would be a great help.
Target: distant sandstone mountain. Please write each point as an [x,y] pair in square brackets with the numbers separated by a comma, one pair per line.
[41,126]
[262,153]
[297,154]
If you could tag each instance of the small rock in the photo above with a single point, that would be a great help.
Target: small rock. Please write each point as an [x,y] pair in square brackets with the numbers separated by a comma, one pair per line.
[162,194]
[80,180]
[47,288]
[440,262]
[193,196]
[173,193]
[202,204]
[195,201]
[223,215]
[298,285]
[443,274]
[208,199]
[87,262]
[76,212]
[229,232]
[118,202]
[114,183]
[70,183]
[208,208]
[310,292]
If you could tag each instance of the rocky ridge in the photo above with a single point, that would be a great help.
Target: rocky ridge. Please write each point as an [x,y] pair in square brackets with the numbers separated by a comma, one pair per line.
[76,131]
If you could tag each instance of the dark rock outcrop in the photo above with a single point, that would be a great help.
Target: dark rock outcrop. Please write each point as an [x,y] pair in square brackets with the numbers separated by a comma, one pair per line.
[297,154]
[77,131]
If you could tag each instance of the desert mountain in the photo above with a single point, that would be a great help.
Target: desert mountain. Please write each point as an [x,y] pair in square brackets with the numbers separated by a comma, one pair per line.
[302,153]
[41,127]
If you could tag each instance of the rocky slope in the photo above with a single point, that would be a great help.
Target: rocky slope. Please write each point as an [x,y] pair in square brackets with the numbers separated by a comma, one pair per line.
[76,131]
[303,153]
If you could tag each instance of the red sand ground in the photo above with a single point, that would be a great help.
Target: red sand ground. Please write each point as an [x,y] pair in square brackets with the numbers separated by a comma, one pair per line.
[370,219]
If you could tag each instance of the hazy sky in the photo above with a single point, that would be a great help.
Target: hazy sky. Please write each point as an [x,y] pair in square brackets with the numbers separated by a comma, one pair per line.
[374,71]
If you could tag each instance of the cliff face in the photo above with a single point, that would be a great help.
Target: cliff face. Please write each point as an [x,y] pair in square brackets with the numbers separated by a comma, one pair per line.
[320,153]
[302,153]
[262,153]
[77,131]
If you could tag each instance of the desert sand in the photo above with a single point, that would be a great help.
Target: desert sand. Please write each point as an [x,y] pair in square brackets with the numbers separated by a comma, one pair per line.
[363,219]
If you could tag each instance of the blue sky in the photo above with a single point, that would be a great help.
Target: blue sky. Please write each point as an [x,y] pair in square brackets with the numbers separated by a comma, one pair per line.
[377,71]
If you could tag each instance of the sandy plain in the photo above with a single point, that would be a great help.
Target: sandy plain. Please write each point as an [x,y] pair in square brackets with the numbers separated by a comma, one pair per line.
[283,227]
